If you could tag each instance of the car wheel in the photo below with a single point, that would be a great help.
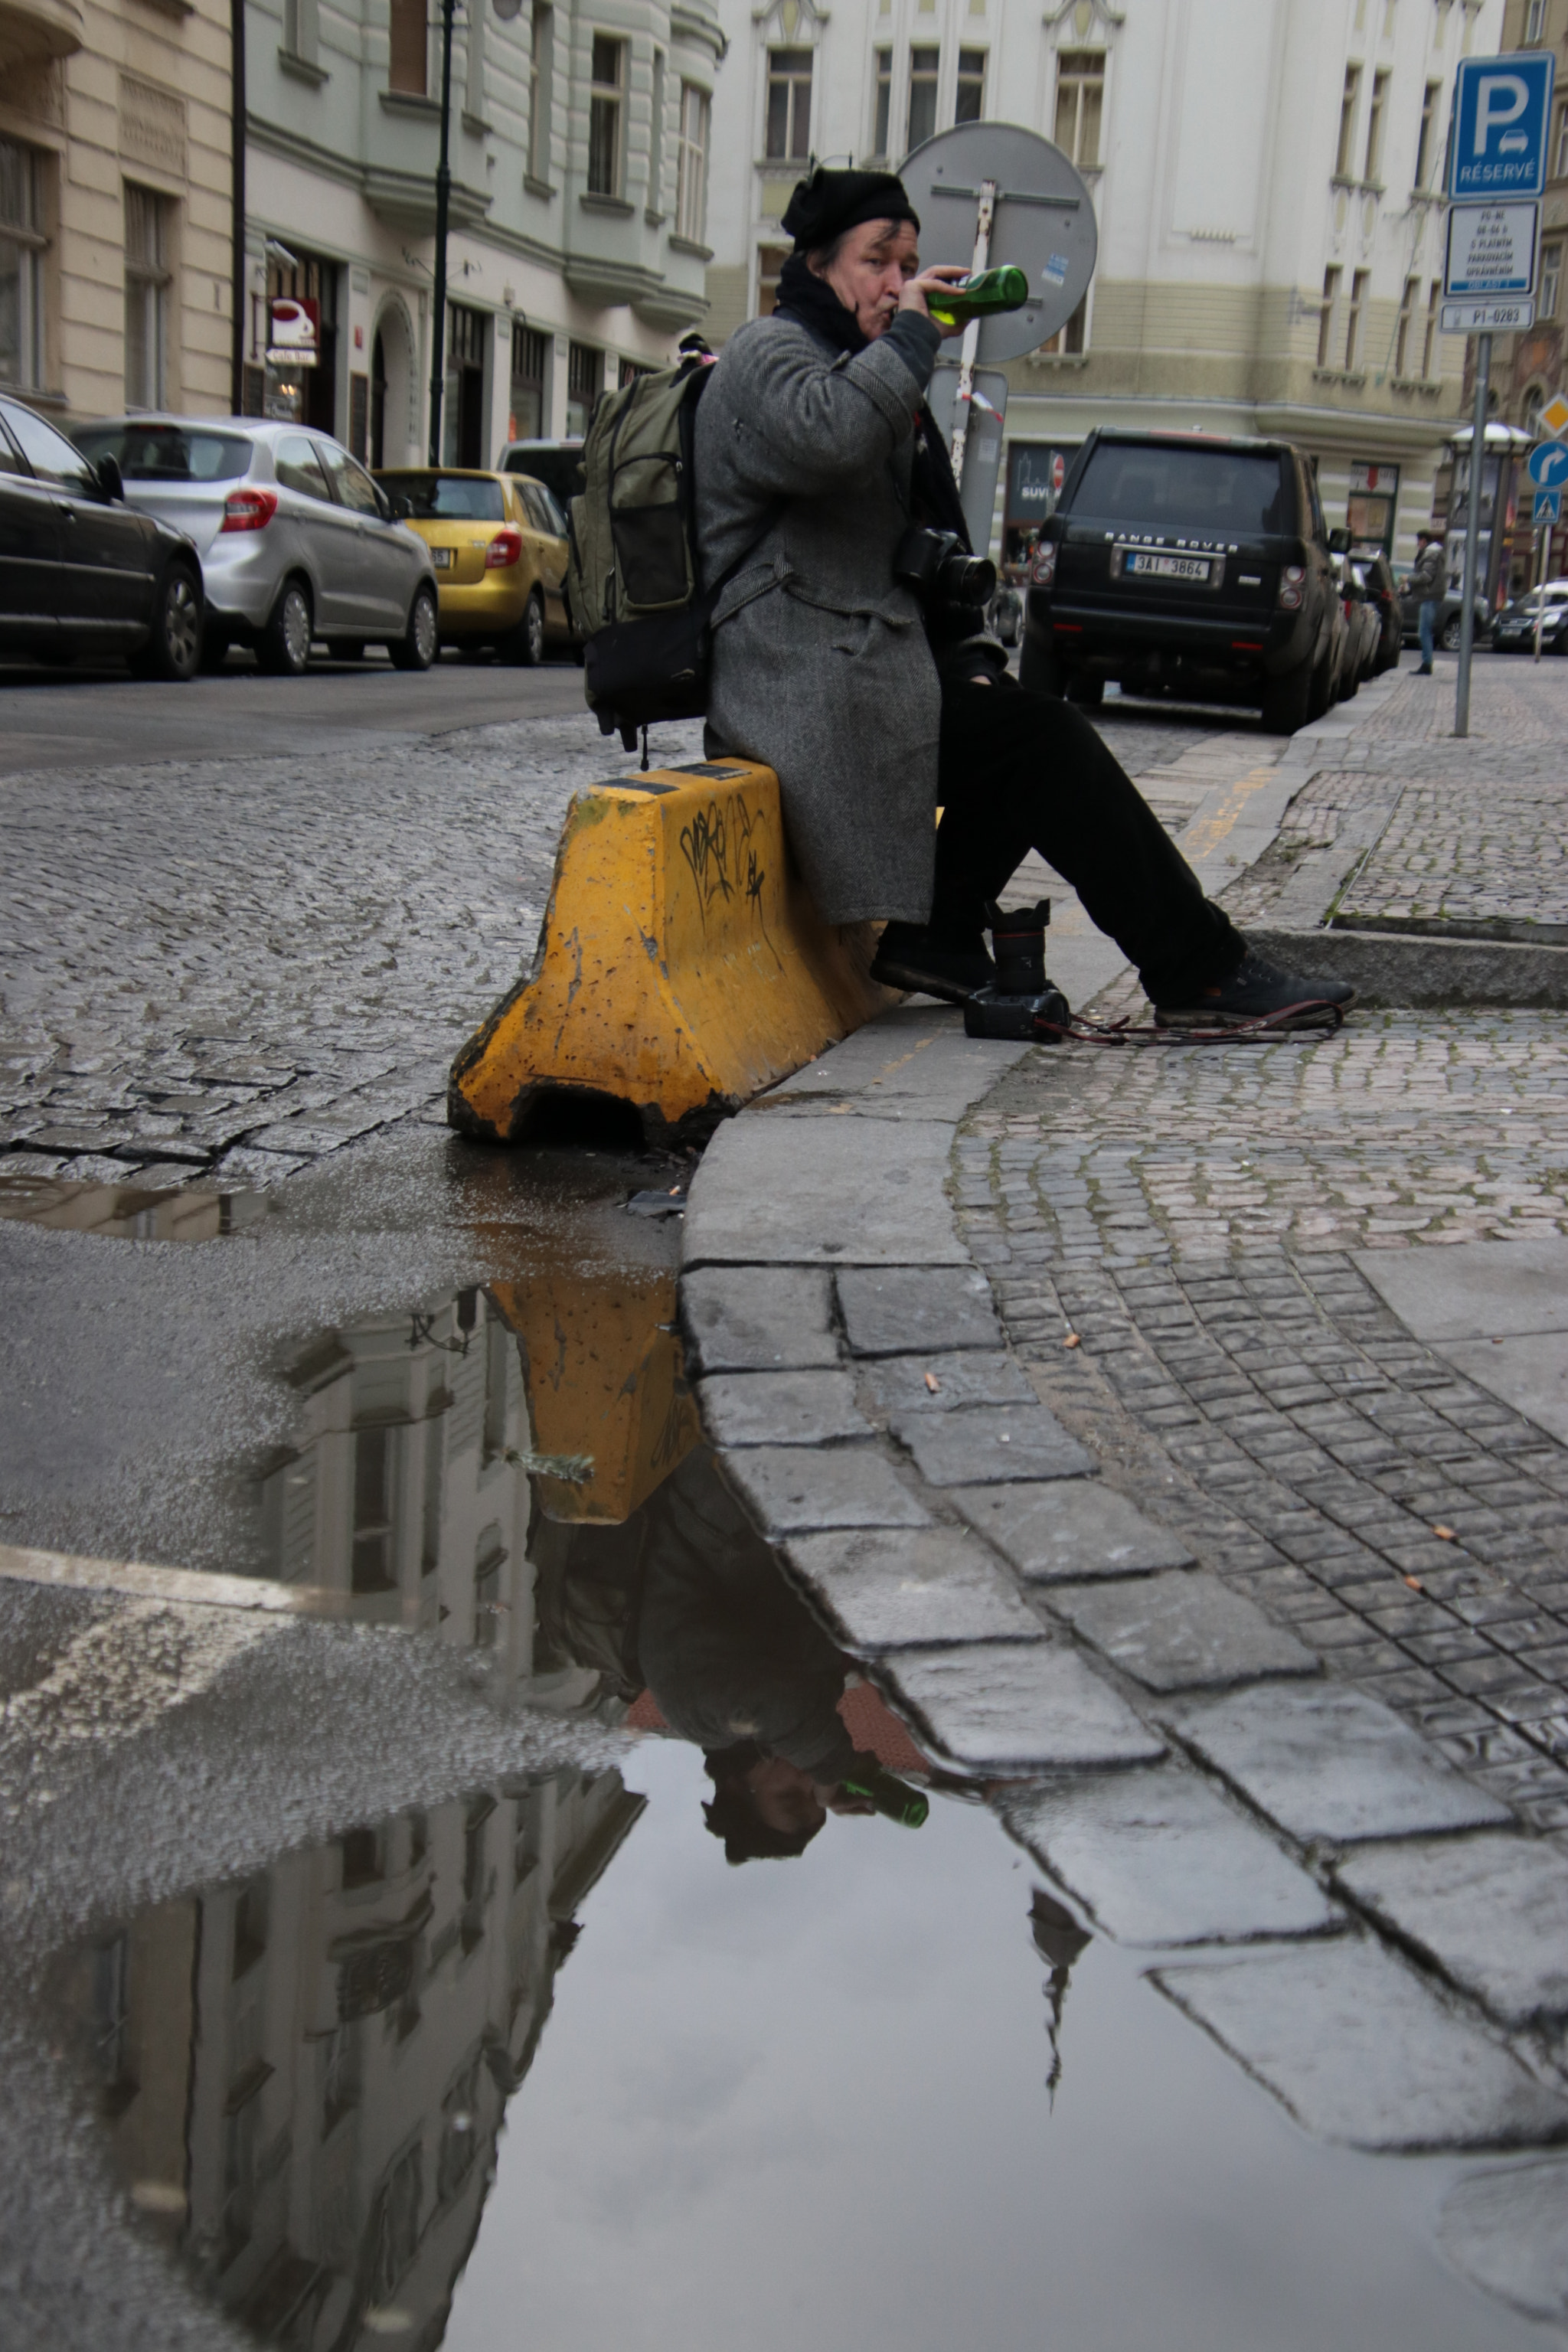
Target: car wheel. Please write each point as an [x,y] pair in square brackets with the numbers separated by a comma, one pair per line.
[346,648]
[526,642]
[1285,701]
[283,647]
[174,651]
[1320,692]
[1450,640]
[579,651]
[418,646]
[215,649]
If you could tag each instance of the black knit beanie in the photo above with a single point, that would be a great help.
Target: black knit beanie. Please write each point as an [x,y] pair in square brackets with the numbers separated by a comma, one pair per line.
[828,204]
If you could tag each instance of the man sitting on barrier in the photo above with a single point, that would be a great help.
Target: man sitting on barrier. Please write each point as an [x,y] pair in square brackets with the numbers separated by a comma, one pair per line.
[814,449]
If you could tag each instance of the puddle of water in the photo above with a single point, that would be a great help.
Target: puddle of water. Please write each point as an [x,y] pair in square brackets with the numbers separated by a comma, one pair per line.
[541,2063]
[184,1213]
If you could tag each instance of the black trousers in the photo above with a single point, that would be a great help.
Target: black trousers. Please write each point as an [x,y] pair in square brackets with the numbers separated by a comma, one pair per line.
[1020,771]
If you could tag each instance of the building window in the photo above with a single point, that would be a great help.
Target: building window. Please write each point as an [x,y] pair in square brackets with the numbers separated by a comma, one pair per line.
[1376,114]
[923,66]
[1429,343]
[147,241]
[1534,23]
[771,260]
[1080,99]
[530,357]
[540,76]
[1402,332]
[375,1449]
[1068,339]
[408,49]
[692,178]
[970,103]
[21,264]
[1356,318]
[789,104]
[1551,279]
[1534,401]
[1427,144]
[1326,317]
[1560,161]
[1345,150]
[605,110]
[584,382]
[884,121]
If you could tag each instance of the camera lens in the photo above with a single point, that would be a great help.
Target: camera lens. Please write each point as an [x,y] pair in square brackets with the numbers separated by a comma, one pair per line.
[968,579]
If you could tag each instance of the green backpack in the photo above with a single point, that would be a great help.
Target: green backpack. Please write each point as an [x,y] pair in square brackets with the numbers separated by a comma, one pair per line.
[633,580]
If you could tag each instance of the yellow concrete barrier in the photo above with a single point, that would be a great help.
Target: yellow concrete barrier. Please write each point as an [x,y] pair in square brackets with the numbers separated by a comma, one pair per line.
[682,967]
[605,1376]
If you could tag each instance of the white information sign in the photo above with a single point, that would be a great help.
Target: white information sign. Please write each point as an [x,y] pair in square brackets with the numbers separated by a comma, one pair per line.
[1491,251]
[1486,318]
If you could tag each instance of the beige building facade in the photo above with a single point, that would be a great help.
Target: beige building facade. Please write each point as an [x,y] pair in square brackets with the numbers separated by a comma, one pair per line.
[116,205]
[1267,177]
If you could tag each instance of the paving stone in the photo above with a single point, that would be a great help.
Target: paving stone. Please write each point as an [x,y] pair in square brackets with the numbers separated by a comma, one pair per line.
[1507,2232]
[1491,1912]
[899,1311]
[792,1490]
[1361,2051]
[800,1408]
[1160,1858]
[1018,1709]
[819,1190]
[777,1318]
[1068,1527]
[880,1590]
[980,1376]
[1183,1629]
[982,1444]
[1328,1762]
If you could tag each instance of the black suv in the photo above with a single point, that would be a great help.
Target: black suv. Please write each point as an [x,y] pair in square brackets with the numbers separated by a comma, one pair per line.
[1187,563]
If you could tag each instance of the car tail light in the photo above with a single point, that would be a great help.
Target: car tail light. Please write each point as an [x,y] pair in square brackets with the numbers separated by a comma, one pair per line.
[248,510]
[1292,586]
[1043,567]
[505,548]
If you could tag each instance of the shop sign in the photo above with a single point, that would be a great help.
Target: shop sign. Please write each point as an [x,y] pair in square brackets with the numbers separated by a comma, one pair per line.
[293,331]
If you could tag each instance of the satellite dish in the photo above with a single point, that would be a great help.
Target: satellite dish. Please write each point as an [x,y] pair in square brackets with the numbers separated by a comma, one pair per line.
[1043,223]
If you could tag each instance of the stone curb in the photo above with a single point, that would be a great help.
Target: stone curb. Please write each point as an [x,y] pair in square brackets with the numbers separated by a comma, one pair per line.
[821,1235]
[1410,968]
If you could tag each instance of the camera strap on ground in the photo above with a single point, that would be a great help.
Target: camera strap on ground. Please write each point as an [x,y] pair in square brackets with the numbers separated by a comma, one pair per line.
[1312,1013]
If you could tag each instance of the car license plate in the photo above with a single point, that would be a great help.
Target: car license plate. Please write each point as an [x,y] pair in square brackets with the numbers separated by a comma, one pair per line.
[1145,562]
[441,557]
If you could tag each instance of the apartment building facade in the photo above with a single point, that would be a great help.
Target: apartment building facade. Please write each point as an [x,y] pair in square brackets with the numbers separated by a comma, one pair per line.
[116,193]
[579,158]
[1267,176]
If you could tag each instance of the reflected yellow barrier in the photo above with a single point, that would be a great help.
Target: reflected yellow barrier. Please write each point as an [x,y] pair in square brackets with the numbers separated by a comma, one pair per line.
[606,1379]
[682,968]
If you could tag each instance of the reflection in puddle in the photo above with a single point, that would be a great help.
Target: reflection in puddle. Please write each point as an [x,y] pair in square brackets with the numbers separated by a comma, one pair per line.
[138,1212]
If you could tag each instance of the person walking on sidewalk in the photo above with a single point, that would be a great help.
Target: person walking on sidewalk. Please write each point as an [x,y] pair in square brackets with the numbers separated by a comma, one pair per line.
[1426,583]
[816,452]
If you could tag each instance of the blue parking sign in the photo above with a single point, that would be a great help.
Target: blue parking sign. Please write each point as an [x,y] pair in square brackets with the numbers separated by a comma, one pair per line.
[1502,107]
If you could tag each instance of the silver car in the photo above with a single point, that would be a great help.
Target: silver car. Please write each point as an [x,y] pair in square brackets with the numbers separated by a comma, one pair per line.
[296,543]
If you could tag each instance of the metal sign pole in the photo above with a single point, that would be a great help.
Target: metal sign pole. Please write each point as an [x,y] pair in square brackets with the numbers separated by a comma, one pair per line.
[1472,535]
[969,348]
[1541,545]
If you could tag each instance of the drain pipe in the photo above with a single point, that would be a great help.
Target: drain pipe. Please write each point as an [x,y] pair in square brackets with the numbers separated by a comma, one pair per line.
[442,209]
[237,200]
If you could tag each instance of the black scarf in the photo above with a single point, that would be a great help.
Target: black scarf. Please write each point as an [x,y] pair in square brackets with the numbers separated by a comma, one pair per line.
[812,302]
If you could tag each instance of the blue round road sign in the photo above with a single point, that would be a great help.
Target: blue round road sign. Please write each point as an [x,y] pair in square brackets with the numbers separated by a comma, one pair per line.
[1549,465]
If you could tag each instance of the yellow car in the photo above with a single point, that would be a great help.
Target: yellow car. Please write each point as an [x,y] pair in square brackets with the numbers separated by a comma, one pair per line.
[499,545]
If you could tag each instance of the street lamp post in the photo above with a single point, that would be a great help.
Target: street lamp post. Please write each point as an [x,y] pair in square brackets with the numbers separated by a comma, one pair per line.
[442,205]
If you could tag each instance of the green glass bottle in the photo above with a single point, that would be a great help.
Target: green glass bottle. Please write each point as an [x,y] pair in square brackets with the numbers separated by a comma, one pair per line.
[977,297]
[893,1799]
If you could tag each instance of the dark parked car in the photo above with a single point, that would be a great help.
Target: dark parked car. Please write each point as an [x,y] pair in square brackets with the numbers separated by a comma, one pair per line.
[1188,563]
[1449,617]
[1376,576]
[1514,631]
[80,572]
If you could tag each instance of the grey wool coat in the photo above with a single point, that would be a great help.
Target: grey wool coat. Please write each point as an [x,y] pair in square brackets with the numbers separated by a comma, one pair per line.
[821,667]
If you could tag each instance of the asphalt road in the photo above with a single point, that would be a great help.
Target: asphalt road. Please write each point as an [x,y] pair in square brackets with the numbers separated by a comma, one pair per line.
[96,719]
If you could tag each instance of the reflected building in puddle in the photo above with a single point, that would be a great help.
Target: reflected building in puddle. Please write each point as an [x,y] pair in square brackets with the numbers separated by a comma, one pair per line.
[304,2076]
